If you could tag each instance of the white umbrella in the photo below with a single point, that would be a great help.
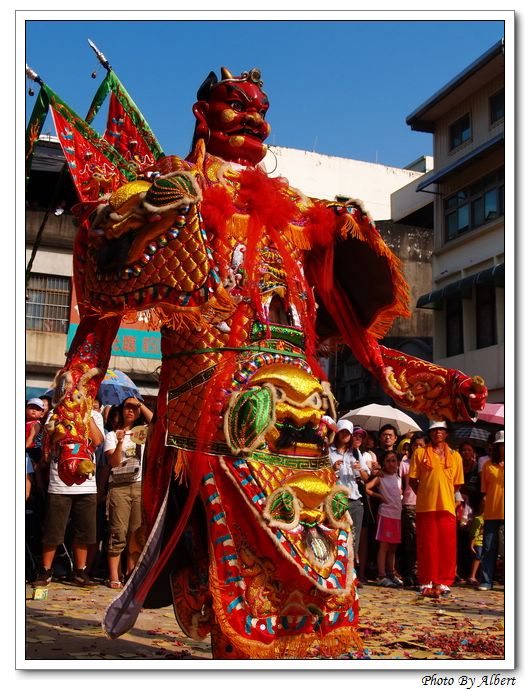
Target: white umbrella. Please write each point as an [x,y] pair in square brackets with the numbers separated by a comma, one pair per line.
[373,417]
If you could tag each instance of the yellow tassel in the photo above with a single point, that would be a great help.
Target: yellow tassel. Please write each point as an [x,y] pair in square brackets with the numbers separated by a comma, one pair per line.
[186,318]
[101,312]
[297,236]
[180,474]
[350,228]
[218,308]
[221,303]
[130,316]
[237,226]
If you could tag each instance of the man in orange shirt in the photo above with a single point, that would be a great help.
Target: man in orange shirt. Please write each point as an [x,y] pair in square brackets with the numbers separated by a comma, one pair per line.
[492,485]
[436,473]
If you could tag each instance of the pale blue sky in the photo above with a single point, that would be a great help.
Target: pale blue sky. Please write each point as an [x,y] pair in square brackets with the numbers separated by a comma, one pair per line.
[342,88]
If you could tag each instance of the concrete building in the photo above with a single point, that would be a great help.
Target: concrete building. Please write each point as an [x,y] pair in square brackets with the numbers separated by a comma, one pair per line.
[51,315]
[466,118]
[326,177]
[407,230]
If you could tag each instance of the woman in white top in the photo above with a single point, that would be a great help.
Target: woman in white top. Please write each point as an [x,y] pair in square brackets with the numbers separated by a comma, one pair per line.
[350,465]
[124,453]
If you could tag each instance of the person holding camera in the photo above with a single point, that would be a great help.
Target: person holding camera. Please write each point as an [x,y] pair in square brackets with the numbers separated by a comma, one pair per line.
[123,449]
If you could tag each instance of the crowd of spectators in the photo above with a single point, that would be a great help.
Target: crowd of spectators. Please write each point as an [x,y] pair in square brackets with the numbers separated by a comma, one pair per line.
[87,533]
[424,514]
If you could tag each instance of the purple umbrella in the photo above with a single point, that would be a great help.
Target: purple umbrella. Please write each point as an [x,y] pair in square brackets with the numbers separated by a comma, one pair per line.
[493,413]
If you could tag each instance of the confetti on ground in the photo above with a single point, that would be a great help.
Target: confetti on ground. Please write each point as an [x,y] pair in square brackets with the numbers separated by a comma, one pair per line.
[394,624]
[464,626]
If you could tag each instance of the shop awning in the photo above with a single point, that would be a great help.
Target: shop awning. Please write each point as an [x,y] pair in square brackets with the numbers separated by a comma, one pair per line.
[48,157]
[461,163]
[463,287]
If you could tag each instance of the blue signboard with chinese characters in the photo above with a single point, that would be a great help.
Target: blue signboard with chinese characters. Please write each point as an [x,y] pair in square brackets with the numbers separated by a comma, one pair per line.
[129,342]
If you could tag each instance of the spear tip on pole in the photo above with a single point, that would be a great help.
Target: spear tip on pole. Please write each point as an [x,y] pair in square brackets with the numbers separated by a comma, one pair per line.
[103,60]
[33,75]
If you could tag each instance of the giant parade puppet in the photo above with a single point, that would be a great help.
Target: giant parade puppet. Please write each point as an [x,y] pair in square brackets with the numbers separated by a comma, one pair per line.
[246,531]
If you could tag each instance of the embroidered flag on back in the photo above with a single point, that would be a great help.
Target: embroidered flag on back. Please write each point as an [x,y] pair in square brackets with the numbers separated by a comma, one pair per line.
[95,166]
[127,130]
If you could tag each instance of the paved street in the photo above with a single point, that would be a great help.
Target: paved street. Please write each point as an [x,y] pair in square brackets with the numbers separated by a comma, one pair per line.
[395,624]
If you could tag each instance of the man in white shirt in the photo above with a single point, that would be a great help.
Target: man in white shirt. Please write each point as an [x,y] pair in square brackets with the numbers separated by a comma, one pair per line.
[77,502]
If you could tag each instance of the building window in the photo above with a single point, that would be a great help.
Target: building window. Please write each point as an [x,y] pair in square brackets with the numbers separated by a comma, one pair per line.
[48,303]
[486,321]
[497,107]
[475,205]
[352,371]
[454,326]
[460,132]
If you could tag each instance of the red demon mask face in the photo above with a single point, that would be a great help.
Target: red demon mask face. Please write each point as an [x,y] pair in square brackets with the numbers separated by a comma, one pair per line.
[231,117]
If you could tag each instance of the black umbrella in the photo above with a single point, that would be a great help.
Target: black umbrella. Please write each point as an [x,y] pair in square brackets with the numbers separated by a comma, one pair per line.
[476,435]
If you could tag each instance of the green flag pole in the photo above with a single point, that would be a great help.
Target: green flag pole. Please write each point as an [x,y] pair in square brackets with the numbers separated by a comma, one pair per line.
[112,83]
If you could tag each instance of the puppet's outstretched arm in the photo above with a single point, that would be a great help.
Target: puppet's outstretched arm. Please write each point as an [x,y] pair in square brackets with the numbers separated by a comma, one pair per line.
[426,388]
[76,385]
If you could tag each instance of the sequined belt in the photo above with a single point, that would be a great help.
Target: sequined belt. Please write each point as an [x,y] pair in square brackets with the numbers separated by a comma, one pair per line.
[248,348]
[295,462]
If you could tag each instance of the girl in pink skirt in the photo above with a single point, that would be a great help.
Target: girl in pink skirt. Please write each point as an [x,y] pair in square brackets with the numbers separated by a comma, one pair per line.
[387,488]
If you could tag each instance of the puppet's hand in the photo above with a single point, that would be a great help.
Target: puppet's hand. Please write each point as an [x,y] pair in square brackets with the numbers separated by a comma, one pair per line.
[86,468]
[474,393]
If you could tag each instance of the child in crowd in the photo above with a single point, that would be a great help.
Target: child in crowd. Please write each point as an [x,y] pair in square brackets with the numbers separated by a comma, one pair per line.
[476,535]
[387,488]
[34,412]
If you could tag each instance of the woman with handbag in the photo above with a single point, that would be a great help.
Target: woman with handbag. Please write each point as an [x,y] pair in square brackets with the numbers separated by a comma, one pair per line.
[123,449]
